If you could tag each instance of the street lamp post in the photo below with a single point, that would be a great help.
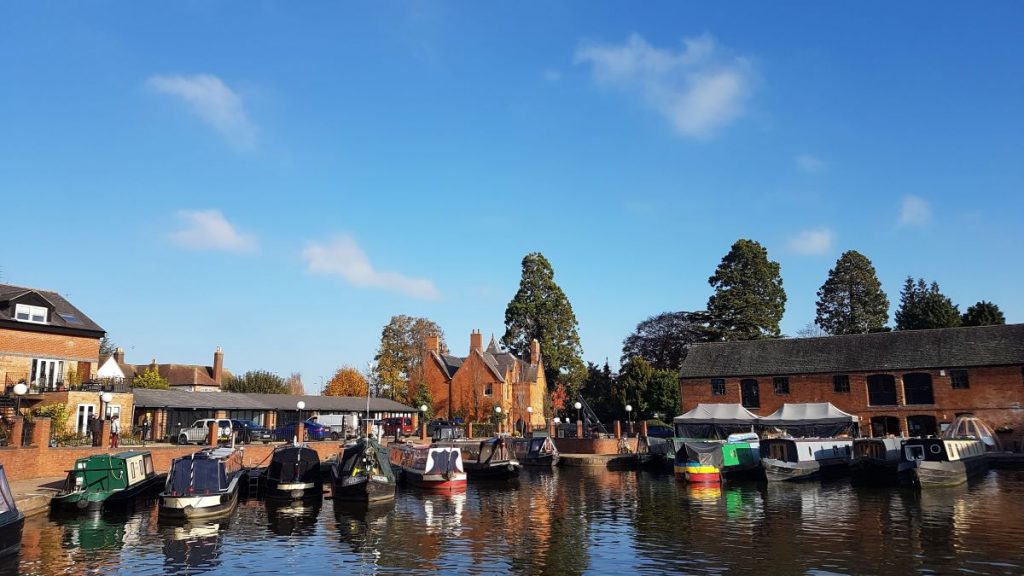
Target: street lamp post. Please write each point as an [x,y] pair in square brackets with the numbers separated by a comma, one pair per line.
[105,399]
[629,414]
[423,423]
[300,426]
[20,389]
[558,425]
[529,424]
[577,406]
[497,417]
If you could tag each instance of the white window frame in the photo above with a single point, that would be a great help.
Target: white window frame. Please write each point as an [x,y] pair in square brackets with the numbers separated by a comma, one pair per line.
[30,313]
[82,417]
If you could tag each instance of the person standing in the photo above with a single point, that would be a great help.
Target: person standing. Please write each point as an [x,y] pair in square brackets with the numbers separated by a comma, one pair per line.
[145,428]
[115,430]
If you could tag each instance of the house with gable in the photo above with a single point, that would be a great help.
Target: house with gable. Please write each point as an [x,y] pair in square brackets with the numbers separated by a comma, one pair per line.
[473,386]
[188,377]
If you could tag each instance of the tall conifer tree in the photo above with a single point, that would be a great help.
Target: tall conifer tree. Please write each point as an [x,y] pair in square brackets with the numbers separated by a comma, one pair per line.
[851,300]
[749,300]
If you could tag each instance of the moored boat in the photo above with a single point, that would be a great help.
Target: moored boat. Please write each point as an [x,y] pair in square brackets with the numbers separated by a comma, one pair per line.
[488,459]
[12,520]
[202,485]
[362,473]
[536,451]
[294,473]
[945,462]
[794,459]
[713,460]
[702,462]
[430,466]
[879,461]
[107,479]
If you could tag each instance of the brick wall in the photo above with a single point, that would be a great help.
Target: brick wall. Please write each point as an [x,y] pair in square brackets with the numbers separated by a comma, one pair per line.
[591,445]
[996,394]
[58,346]
[41,461]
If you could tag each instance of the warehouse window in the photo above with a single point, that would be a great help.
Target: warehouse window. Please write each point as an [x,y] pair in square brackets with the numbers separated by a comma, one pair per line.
[781,384]
[718,387]
[958,379]
[881,390]
[841,383]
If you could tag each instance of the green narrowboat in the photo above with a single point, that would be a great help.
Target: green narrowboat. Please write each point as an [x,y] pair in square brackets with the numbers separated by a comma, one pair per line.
[107,479]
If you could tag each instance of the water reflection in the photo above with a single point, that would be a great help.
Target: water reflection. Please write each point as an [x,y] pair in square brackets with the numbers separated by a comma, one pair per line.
[568,521]
[191,547]
[298,518]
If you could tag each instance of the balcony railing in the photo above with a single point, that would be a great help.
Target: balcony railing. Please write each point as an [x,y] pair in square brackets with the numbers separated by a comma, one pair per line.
[39,387]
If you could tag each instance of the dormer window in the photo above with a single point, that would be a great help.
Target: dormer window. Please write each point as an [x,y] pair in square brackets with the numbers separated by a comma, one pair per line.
[27,313]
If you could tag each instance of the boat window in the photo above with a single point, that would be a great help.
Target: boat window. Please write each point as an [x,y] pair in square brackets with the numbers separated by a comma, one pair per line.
[914,452]
[917,388]
[881,390]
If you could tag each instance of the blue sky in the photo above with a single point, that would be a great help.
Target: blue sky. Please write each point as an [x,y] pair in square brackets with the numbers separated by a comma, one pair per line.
[280,179]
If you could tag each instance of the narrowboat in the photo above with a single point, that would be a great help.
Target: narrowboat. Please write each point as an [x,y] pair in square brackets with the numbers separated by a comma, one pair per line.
[794,459]
[959,456]
[293,473]
[880,461]
[705,460]
[202,485]
[429,466]
[107,479]
[12,520]
[489,459]
[362,473]
[536,451]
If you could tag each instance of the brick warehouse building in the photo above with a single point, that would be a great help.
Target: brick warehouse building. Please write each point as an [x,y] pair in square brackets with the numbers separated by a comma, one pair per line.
[903,382]
[472,386]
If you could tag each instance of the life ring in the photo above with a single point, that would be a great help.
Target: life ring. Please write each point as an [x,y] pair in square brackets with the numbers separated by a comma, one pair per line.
[82,504]
[187,511]
[936,449]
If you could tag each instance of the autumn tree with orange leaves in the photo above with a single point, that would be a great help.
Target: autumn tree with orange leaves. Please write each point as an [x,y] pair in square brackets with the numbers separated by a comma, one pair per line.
[347,381]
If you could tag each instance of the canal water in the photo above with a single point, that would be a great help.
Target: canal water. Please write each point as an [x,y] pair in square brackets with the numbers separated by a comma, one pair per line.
[567,521]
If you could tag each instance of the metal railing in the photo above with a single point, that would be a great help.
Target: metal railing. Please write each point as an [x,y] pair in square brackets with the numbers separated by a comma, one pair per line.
[27,428]
[40,386]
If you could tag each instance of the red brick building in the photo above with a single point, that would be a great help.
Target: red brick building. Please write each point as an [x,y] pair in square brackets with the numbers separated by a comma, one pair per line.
[472,386]
[903,382]
[43,338]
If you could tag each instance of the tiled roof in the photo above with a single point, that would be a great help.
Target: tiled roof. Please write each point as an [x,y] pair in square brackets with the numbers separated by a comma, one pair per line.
[145,398]
[883,351]
[65,316]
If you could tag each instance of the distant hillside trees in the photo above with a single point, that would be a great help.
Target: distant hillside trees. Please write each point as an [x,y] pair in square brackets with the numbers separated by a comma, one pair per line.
[663,340]
[255,382]
[749,300]
[541,311]
[923,306]
[851,300]
[294,384]
[983,314]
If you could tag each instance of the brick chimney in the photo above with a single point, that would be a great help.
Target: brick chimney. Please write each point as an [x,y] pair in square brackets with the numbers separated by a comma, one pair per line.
[218,365]
[534,352]
[434,344]
[119,355]
[476,341]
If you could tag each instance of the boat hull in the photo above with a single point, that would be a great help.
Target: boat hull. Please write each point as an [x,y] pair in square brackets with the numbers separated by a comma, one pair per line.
[365,489]
[435,482]
[703,475]
[75,502]
[782,471]
[544,461]
[871,471]
[928,474]
[293,490]
[193,507]
[496,471]
[10,535]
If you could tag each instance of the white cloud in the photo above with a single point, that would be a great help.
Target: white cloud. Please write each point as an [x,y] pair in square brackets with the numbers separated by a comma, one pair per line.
[552,75]
[342,257]
[808,163]
[214,102]
[209,230]
[814,242]
[699,89]
[915,211]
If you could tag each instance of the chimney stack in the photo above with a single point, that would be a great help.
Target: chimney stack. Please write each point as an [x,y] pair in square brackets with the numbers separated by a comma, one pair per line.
[119,355]
[476,341]
[534,352]
[218,365]
[434,344]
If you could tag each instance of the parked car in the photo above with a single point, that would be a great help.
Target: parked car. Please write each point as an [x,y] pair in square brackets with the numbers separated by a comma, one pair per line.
[250,431]
[314,431]
[199,431]
[398,425]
